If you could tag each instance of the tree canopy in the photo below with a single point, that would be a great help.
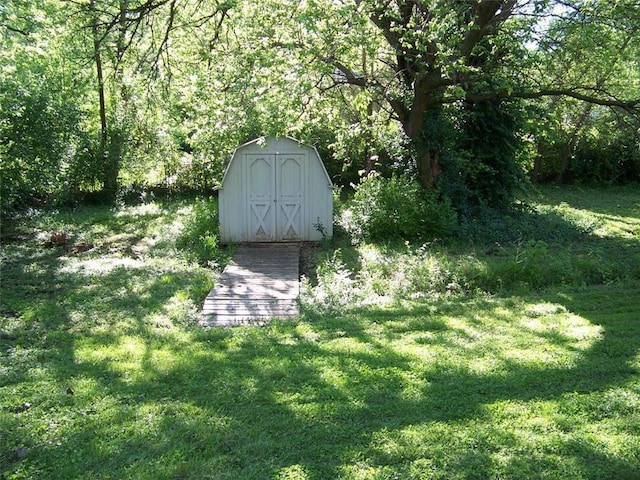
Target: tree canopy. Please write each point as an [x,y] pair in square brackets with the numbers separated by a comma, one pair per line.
[468,96]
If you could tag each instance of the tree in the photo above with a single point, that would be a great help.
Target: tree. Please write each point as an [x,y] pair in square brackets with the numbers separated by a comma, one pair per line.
[131,52]
[601,47]
[40,118]
[433,87]
[465,53]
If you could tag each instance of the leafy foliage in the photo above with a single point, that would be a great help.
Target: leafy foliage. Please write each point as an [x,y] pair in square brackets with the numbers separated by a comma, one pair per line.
[396,87]
[199,237]
[490,143]
[608,151]
[334,290]
[397,207]
[41,117]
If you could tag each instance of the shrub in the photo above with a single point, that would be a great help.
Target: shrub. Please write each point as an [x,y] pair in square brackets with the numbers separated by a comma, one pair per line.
[39,128]
[336,290]
[199,237]
[397,207]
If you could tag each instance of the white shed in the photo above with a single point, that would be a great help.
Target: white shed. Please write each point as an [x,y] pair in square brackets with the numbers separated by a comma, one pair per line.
[275,190]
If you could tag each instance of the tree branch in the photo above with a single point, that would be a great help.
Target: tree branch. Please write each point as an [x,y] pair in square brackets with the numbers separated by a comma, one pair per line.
[15,29]
[352,78]
[572,93]
[488,14]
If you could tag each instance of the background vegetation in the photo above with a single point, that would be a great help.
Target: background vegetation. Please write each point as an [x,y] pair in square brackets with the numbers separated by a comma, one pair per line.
[105,99]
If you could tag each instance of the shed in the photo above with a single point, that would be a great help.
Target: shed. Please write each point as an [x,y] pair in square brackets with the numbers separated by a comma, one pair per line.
[275,190]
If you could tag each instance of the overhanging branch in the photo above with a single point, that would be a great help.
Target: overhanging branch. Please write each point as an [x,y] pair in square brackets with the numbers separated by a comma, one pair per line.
[572,93]
[15,29]
[348,77]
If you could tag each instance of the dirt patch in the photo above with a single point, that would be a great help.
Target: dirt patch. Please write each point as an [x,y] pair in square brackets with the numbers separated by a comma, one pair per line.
[80,248]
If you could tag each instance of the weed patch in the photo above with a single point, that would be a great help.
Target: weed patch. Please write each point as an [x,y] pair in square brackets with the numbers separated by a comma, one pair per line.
[546,245]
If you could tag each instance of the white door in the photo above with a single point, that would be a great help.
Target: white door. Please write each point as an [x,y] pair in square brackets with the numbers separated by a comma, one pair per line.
[260,185]
[290,194]
[275,194]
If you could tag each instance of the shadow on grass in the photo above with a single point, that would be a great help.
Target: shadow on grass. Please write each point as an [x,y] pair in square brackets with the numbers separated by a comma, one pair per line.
[327,397]
[52,301]
[112,394]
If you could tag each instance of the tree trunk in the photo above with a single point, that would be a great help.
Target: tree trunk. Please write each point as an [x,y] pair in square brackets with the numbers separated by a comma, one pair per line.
[570,146]
[109,176]
[428,167]
[426,146]
[97,58]
[537,166]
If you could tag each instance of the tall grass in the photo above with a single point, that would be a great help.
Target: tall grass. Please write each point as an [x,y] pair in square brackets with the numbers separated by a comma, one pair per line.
[199,239]
[548,244]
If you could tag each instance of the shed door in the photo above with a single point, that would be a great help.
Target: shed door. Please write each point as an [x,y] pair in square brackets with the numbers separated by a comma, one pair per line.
[275,196]
[260,183]
[290,196]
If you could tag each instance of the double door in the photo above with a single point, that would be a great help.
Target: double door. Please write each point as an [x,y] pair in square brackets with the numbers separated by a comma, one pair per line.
[275,187]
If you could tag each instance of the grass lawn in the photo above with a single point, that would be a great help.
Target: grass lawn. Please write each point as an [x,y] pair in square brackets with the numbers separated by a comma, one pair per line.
[521,360]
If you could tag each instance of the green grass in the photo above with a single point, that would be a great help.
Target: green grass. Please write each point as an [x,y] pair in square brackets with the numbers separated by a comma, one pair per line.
[104,374]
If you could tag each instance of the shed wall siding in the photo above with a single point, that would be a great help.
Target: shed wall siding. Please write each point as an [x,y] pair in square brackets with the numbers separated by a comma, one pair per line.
[230,202]
[316,201]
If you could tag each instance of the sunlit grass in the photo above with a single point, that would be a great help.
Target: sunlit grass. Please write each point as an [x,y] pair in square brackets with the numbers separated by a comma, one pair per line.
[105,374]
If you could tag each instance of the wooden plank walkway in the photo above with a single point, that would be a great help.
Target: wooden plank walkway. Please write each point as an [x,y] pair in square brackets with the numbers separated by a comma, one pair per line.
[261,282]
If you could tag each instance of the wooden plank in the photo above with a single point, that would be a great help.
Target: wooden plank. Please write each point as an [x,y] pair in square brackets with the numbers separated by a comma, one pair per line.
[240,301]
[232,321]
[251,309]
[252,312]
[261,282]
[256,291]
[244,304]
[273,271]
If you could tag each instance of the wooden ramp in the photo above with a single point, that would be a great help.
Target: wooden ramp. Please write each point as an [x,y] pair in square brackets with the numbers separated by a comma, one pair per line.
[261,282]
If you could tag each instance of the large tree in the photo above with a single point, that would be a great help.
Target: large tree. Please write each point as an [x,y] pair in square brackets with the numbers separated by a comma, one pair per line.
[472,52]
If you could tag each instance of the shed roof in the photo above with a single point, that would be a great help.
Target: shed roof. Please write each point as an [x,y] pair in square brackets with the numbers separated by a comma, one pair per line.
[265,140]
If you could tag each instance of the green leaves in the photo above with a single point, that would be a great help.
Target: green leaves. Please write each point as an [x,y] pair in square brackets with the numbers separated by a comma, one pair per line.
[40,116]
[396,208]
[187,81]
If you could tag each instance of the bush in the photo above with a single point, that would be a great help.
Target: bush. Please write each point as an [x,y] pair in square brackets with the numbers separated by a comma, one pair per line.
[38,133]
[199,237]
[336,290]
[397,207]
